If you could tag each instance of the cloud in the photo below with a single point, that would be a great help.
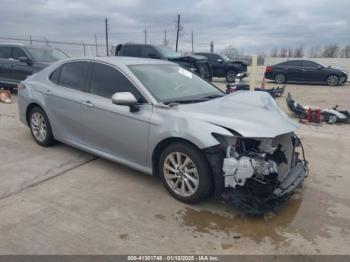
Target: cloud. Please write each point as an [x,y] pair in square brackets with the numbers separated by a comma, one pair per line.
[250,24]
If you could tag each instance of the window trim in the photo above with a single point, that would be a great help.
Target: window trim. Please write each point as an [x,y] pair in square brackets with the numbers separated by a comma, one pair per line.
[120,71]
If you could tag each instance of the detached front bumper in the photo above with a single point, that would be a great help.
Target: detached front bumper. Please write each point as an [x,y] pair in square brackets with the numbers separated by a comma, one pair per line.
[293,180]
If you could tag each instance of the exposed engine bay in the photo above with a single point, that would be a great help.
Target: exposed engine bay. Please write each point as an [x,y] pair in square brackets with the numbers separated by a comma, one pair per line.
[260,173]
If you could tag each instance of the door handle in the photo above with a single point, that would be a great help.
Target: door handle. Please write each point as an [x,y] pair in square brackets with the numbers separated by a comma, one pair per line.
[88,104]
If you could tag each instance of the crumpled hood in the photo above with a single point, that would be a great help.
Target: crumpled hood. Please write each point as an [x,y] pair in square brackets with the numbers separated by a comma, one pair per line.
[252,114]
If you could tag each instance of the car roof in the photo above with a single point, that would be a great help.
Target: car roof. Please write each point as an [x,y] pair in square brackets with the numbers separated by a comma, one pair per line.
[13,44]
[24,45]
[121,60]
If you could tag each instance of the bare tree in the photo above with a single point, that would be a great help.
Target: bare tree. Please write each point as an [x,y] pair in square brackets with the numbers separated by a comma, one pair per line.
[347,51]
[290,52]
[261,58]
[298,52]
[314,52]
[274,52]
[283,52]
[330,51]
[232,52]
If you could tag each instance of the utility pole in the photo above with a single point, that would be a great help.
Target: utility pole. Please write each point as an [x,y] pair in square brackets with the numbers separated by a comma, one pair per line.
[106,28]
[96,45]
[192,41]
[30,40]
[212,47]
[177,31]
[145,36]
[165,40]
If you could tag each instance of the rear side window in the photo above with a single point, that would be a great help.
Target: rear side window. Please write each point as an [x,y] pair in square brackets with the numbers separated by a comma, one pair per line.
[106,80]
[73,75]
[5,52]
[293,63]
[55,75]
[130,50]
[18,52]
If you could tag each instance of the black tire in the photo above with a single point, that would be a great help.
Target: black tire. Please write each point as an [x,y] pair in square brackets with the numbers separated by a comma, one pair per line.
[231,76]
[280,78]
[48,139]
[332,80]
[205,183]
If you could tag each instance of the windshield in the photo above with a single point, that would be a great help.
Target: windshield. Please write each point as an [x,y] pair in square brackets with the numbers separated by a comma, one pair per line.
[226,59]
[167,52]
[172,83]
[46,54]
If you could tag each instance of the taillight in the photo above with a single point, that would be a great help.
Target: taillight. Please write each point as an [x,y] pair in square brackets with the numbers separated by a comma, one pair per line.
[268,69]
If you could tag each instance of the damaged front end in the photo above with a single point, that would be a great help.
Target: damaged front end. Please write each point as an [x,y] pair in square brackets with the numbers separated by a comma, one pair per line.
[259,174]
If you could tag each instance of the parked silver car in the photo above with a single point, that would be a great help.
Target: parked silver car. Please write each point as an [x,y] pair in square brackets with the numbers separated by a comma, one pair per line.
[162,119]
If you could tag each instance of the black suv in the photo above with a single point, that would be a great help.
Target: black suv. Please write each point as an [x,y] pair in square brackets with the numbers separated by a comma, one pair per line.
[222,66]
[197,64]
[18,61]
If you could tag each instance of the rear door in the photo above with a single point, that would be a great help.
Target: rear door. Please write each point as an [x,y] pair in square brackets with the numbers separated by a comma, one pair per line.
[217,65]
[20,70]
[63,99]
[293,70]
[112,129]
[5,64]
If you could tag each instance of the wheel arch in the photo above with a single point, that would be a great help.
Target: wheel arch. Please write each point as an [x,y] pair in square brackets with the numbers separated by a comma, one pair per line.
[29,109]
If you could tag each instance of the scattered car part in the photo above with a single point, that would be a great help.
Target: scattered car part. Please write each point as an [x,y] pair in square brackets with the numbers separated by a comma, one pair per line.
[274,91]
[160,118]
[5,96]
[311,114]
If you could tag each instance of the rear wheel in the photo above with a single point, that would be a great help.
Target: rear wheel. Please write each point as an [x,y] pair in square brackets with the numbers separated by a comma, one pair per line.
[40,127]
[185,173]
[231,76]
[332,80]
[280,78]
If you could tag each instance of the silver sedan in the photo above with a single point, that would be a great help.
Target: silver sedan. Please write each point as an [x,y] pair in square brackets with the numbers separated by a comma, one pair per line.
[162,119]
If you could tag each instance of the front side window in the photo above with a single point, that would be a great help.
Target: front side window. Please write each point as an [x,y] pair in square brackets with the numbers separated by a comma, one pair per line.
[169,83]
[17,53]
[55,75]
[130,50]
[73,75]
[106,81]
[5,52]
[309,64]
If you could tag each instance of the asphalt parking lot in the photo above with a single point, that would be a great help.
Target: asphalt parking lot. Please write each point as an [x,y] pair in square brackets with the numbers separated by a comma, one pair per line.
[60,200]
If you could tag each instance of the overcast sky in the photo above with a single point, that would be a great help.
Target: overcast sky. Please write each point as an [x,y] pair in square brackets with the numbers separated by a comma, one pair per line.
[249,24]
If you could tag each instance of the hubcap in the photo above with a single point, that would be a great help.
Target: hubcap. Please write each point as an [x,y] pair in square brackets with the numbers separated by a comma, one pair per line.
[332,80]
[38,126]
[181,174]
[279,78]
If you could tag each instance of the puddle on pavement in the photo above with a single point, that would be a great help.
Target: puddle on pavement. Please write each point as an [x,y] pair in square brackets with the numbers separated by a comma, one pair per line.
[306,213]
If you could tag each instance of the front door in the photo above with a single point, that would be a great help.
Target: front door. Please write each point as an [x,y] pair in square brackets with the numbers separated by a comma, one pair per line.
[5,64]
[20,70]
[113,129]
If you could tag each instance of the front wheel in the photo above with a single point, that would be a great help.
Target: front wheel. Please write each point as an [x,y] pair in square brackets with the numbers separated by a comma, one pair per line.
[185,173]
[332,80]
[231,76]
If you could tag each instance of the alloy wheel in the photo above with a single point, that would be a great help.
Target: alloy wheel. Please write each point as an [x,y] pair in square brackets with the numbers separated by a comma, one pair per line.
[280,78]
[332,80]
[38,126]
[181,174]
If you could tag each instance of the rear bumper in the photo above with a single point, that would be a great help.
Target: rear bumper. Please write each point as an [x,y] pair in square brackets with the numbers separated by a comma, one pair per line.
[293,180]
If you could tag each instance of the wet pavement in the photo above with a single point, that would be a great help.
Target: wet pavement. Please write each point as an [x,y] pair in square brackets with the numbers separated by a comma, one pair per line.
[94,206]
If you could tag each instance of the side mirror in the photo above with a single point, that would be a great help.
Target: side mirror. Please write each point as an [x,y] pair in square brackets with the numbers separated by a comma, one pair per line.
[125,99]
[219,60]
[319,67]
[25,59]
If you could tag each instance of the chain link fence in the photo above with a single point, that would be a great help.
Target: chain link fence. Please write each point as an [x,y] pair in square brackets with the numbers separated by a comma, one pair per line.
[70,48]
